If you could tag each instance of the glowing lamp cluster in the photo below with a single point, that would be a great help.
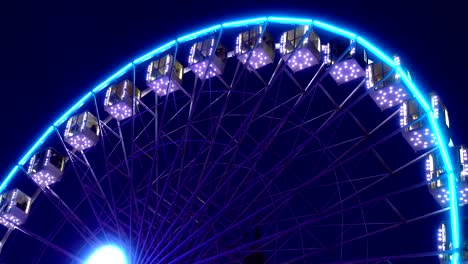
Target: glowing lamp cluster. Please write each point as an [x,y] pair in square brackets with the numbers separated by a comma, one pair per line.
[440,111]
[118,102]
[390,96]
[417,130]
[350,66]
[462,173]
[301,48]
[82,131]
[255,48]
[46,167]
[161,78]
[422,139]
[346,71]
[14,208]
[442,244]
[443,197]
[463,158]
[206,59]
[386,88]
[437,180]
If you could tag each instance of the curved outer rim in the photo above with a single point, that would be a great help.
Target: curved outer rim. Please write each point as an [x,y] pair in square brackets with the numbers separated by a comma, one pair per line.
[416,92]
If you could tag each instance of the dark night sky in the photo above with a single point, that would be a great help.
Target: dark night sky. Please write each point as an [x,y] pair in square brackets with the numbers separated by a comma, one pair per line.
[53,52]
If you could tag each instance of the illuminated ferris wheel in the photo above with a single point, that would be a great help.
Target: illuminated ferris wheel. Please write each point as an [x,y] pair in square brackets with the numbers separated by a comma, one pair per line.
[267,140]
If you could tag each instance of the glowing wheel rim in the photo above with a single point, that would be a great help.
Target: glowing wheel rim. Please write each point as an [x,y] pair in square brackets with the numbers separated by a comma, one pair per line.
[218,29]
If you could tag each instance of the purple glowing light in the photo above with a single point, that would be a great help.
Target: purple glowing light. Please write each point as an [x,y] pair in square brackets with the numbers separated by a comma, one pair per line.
[301,59]
[389,96]
[441,195]
[464,162]
[258,58]
[255,48]
[429,168]
[82,131]
[420,139]
[346,71]
[119,100]
[200,69]
[442,240]
[435,171]
[80,142]
[14,209]
[42,170]
[161,86]
[119,111]
[435,106]
[206,59]
[43,178]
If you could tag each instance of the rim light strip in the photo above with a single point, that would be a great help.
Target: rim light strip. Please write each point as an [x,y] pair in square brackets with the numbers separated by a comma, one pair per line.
[244,23]
[376,51]
[72,109]
[290,20]
[454,214]
[336,30]
[8,178]
[154,52]
[36,145]
[112,78]
[281,20]
[198,34]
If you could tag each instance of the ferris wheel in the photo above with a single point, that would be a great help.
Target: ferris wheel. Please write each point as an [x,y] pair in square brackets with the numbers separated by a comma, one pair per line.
[266,140]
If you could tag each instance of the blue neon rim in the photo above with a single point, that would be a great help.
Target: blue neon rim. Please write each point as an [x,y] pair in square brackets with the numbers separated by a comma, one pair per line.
[416,92]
